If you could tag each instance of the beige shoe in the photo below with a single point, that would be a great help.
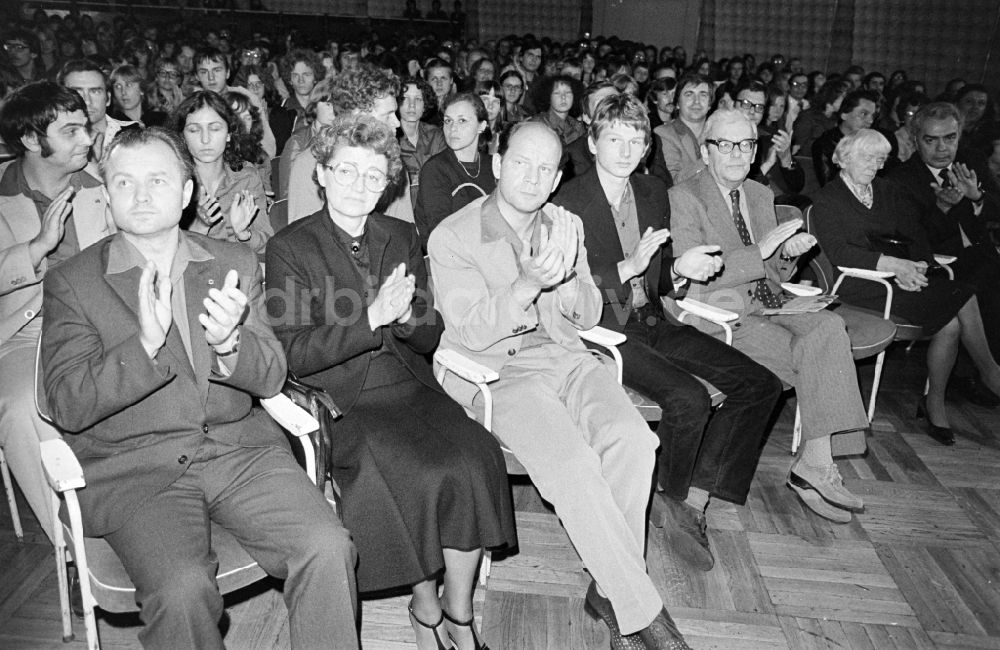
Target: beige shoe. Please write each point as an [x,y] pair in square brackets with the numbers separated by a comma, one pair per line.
[820,506]
[827,482]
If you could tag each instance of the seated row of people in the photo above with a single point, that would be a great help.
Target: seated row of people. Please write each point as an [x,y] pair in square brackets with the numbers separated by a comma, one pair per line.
[350,308]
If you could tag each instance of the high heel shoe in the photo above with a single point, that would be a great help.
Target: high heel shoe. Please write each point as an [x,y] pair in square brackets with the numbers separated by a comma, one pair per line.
[433,628]
[471,624]
[944,435]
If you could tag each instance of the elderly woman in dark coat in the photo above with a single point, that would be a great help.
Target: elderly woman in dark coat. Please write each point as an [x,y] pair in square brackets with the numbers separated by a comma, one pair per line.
[862,221]
[423,487]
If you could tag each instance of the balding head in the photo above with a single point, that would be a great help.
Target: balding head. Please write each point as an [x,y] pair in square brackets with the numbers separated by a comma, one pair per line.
[527,166]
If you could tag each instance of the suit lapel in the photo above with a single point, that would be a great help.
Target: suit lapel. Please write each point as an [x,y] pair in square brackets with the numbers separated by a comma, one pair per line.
[719,212]
[198,279]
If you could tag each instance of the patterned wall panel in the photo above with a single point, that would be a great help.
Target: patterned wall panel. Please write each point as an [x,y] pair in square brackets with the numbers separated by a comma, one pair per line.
[934,40]
[799,28]
[557,19]
[331,7]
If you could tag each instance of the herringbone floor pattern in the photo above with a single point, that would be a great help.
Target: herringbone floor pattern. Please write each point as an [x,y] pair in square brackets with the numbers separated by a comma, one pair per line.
[920,568]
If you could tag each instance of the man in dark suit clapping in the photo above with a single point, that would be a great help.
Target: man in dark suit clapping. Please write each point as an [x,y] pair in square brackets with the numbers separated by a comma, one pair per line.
[153,348]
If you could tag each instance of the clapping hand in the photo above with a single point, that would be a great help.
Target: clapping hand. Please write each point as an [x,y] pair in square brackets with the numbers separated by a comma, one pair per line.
[699,263]
[637,261]
[155,314]
[546,268]
[241,214]
[798,244]
[964,179]
[564,233]
[394,302]
[224,311]
[209,211]
[53,226]
[770,242]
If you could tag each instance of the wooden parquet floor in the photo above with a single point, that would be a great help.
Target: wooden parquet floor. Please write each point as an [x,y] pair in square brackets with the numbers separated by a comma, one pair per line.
[920,568]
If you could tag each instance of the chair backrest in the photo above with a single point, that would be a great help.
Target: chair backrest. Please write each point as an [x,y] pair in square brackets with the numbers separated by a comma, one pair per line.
[279,215]
[819,263]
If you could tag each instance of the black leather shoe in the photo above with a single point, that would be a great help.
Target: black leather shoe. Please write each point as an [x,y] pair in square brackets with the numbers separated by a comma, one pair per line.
[972,391]
[685,530]
[944,435]
[662,634]
[599,608]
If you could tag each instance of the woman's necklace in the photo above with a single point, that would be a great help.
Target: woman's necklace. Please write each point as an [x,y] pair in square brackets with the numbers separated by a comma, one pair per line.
[479,166]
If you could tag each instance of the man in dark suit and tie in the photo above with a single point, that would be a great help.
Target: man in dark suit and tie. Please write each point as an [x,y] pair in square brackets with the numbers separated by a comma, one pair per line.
[625,219]
[952,191]
[153,349]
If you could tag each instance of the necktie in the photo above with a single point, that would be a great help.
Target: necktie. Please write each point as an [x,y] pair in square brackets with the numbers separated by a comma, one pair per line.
[943,176]
[761,292]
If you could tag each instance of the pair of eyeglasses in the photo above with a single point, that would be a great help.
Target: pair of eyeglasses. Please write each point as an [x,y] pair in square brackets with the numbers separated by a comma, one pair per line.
[513,87]
[747,105]
[167,74]
[346,173]
[799,83]
[726,146]
[15,47]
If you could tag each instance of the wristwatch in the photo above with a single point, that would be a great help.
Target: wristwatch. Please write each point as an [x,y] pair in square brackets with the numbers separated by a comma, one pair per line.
[233,350]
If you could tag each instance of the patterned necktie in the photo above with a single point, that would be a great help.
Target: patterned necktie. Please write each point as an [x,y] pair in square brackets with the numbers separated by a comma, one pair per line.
[943,177]
[761,292]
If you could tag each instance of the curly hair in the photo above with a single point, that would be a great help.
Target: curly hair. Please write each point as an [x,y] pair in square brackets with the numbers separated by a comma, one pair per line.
[248,145]
[361,131]
[430,99]
[242,76]
[213,100]
[357,90]
[300,55]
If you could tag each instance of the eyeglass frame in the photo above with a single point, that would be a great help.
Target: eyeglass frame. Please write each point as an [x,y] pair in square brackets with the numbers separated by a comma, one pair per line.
[726,147]
[355,173]
[757,108]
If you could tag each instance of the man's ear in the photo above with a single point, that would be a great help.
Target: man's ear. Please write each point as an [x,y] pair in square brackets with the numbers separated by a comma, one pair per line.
[591,145]
[30,142]
[497,160]
[704,153]
[320,176]
[187,192]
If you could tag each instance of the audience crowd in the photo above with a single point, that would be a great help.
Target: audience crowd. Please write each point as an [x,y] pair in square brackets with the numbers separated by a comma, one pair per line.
[494,199]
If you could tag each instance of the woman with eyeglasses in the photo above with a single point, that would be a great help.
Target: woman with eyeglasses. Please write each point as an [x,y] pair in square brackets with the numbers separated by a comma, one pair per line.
[165,92]
[773,164]
[512,84]
[423,487]
[230,201]
[461,173]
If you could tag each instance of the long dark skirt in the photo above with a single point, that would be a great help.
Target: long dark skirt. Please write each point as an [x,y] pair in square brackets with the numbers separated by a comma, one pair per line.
[417,475]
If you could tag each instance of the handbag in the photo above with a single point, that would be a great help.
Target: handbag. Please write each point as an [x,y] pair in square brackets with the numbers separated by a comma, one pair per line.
[894,244]
[322,407]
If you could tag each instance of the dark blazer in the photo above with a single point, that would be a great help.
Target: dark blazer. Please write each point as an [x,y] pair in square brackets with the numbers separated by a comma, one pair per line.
[584,197]
[316,303]
[943,227]
[136,425]
[843,224]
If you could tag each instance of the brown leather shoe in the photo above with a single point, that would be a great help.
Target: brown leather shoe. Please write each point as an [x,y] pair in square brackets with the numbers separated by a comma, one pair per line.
[599,608]
[662,634]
